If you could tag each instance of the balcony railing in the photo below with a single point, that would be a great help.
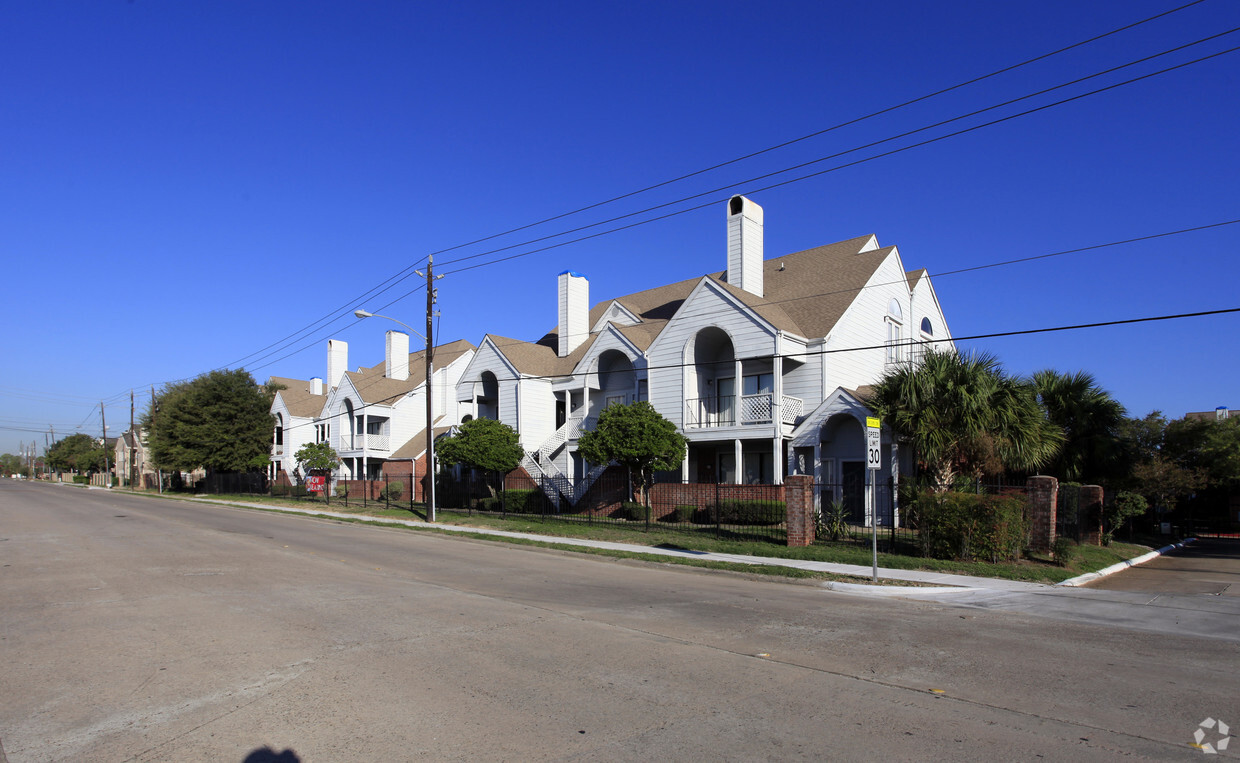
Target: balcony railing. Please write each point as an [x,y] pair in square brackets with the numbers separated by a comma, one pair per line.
[753,409]
[374,442]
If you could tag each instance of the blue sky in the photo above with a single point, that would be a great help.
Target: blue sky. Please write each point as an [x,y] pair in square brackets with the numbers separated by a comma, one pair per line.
[184,185]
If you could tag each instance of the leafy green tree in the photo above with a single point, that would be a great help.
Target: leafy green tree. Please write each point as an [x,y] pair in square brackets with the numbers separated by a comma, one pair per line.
[1165,483]
[219,421]
[1211,447]
[485,444]
[316,456]
[10,464]
[962,413]
[1090,420]
[637,437]
[77,452]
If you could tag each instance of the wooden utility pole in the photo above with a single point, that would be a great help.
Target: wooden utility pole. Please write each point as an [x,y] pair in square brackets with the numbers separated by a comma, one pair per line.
[133,443]
[107,463]
[430,400]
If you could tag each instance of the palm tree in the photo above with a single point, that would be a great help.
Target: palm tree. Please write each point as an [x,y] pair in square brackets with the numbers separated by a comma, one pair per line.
[963,413]
[1090,419]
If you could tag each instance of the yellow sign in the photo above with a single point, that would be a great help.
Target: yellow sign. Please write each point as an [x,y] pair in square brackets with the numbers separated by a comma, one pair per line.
[872,423]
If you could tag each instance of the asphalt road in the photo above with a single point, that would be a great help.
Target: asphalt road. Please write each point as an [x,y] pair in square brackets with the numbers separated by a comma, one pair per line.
[143,629]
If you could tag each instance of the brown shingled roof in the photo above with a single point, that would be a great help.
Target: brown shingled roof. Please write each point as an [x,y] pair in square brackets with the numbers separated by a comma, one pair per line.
[805,293]
[375,388]
[297,398]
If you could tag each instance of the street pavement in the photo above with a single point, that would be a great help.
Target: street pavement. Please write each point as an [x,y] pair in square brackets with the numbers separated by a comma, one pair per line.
[139,629]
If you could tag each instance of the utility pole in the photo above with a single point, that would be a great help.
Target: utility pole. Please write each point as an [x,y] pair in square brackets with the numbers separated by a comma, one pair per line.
[430,400]
[107,464]
[133,443]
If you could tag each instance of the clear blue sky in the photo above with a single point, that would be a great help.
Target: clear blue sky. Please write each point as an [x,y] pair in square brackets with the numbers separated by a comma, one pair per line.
[183,184]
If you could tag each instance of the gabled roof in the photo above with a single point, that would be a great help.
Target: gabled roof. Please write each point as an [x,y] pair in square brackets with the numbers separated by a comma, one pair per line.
[377,389]
[805,293]
[297,397]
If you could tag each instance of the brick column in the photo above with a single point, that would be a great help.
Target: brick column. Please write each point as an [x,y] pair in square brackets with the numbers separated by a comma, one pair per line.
[1043,492]
[799,498]
[1091,515]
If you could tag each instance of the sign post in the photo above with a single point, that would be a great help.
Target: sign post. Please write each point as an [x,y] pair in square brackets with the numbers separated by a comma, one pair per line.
[873,462]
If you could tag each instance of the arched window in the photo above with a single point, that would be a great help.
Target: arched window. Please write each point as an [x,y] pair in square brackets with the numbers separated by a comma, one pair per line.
[895,332]
[926,328]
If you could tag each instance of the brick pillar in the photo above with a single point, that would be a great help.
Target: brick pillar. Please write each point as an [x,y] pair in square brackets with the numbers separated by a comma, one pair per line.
[1043,492]
[1091,515]
[799,498]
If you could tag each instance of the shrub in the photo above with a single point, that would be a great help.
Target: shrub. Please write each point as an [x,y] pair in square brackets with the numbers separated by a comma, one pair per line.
[342,490]
[1065,551]
[967,526]
[682,514]
[634,511]
[81,479]
[392,491]
[832,521]
[752,512]
[527,501]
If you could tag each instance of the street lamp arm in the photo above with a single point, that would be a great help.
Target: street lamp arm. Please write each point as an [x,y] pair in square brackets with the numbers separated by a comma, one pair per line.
[364,314]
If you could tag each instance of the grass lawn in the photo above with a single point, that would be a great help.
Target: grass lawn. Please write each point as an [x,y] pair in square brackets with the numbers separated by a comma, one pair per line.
[1033,569]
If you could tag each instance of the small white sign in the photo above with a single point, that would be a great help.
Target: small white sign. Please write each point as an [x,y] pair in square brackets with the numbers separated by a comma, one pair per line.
[873,444]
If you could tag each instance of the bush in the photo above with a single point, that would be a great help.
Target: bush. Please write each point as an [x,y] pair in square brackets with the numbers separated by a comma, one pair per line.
[1065,551]
[634,511]
[527,501]
[967,526]
[682,514]
[392,491]
[832,521]
[752,512]
[81,479]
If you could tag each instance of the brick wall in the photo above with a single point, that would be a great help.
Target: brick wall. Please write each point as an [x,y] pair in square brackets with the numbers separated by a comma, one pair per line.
[799,495]
[1043,493]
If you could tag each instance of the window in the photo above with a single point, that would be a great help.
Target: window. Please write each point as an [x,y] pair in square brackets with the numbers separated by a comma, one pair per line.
[758,384]
[895,327]
[926,328]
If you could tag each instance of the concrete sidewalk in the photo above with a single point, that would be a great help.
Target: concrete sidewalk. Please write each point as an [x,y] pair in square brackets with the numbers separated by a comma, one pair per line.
[948,582]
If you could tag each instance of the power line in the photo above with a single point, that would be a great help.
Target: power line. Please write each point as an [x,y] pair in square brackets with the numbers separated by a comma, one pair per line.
[838,350]
[835,168]
[847,123]
[406,272]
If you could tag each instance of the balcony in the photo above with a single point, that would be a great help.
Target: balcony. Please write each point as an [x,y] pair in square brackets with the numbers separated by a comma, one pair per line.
[369,442]
[753,409]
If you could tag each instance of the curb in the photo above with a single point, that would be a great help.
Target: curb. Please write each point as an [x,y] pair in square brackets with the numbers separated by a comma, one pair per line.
[869,589]
[1080,580]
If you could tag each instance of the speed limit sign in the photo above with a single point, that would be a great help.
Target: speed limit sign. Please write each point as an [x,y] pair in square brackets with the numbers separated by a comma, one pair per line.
[873,440]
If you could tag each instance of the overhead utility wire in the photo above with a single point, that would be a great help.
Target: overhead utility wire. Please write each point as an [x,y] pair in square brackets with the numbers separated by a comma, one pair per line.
[906,343]
[835,168]
[823,131]
[841,166]
[402,274]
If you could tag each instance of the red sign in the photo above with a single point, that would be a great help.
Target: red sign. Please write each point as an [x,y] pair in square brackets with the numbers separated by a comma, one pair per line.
[316,484]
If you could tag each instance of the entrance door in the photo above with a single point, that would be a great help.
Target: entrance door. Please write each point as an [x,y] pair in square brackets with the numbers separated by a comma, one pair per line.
[852,479]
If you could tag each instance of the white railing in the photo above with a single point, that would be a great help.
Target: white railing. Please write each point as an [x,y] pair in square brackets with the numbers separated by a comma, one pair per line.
[754,409]
[364,442]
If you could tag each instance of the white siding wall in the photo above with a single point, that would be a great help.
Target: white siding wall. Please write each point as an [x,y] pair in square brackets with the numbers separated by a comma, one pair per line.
[926,306]
[537,412]
[703,308]
[863,325]
[805,381]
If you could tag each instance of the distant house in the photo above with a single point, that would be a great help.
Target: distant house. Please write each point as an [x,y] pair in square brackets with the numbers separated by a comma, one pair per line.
[762,366]
[130,461]
[1221,413]
[374,418]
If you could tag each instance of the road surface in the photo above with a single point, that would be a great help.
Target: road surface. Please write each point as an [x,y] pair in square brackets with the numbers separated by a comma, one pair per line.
[144,629]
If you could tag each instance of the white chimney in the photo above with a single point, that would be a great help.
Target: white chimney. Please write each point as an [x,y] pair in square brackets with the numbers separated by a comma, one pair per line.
[745,245]
[396,356]
[574,311]
[316,386]
[337,361]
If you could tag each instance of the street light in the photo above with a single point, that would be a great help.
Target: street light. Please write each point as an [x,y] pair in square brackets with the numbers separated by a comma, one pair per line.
[430,413]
